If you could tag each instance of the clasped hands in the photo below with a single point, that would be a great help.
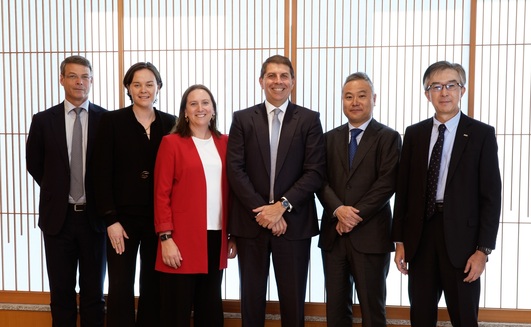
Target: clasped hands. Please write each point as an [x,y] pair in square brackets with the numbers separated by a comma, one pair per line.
[348,218]
[270,217]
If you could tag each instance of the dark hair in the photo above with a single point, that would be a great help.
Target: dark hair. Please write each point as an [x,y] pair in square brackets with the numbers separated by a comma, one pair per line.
[182,128]
[75,60]
[359,76]
[277,59]
[128,78]
[443,65]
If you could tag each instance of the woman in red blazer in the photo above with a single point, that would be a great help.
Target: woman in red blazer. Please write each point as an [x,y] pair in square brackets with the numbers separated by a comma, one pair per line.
[191,210]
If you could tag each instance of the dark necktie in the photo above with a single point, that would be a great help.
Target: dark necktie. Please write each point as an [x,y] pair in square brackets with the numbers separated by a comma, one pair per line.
[76,159]
[353,145]
[433,173]
[275,130]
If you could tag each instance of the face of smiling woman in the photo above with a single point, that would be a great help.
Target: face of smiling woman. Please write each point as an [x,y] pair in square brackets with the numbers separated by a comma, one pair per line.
[144,88]
[199,110]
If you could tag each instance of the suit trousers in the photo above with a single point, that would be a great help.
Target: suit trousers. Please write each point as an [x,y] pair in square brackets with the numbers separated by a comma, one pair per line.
[290,261]
[431,273]
[76,246]
[121,273]
[345,267]
[181,292]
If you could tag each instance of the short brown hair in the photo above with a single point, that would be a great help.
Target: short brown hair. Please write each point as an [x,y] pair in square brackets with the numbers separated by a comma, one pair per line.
[277,59]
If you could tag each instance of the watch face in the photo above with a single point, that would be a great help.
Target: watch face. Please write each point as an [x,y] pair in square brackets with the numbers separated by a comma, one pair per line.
[285,204]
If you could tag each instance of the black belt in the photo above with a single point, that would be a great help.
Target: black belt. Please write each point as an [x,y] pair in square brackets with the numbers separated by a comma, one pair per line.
[77,207]
[439,207]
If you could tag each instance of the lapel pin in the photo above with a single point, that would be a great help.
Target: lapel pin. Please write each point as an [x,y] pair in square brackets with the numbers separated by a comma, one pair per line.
[465,135]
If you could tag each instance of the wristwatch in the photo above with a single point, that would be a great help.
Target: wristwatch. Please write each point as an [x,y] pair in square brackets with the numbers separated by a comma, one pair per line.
[485,250]
[285,204]
[165,237]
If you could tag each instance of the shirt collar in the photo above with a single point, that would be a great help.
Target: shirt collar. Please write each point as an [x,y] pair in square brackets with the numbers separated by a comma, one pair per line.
[271,107]
[363,126]
[451,125]
[69,106]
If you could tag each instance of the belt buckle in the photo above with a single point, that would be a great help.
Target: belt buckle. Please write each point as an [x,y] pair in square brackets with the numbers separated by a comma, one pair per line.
[80,206]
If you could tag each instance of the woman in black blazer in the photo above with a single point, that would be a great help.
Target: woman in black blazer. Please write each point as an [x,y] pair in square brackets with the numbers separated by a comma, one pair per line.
[124,158]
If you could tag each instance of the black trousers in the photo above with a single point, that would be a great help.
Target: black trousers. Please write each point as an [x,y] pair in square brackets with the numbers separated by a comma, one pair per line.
[77,246]
[181,292]
[345,268]
[431,273]
[290,260]
[121,273]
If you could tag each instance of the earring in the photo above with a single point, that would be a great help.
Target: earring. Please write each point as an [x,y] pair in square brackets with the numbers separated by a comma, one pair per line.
[186,118]
[213,116]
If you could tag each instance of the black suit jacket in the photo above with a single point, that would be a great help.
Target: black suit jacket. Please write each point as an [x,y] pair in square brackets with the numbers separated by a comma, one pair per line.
[123,163]
[472,197]
[299,173]
[368,186]
[48,162]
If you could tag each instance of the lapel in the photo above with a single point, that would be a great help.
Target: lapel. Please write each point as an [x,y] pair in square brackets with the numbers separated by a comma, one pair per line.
[341,150]
[93,115]
[367,141]
[460,142]
[423,137]
[261,125]
[289,125]
[59,131]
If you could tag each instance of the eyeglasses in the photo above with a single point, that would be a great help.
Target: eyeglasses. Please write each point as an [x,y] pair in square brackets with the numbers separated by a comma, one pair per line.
[74,77]
[438,87]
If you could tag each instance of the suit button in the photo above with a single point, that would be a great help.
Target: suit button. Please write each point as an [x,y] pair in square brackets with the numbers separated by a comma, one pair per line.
[144,174]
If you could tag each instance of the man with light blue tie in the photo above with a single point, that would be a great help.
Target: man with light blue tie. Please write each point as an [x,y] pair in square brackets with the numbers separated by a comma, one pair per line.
[361,164]
[275,164]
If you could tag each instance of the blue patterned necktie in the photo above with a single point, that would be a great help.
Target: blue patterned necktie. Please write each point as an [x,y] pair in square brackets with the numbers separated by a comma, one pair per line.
[433,173]
[353,145]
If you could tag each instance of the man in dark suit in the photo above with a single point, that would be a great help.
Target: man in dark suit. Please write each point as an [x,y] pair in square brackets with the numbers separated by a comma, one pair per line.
[356,226]
[274,216]
[448,203]
[73,235]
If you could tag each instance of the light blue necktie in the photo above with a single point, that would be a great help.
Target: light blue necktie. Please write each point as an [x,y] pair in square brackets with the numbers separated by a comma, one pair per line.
[353,145]
[275,130]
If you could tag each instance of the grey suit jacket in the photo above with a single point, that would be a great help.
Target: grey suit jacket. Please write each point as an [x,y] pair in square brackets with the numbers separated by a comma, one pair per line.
[367,186]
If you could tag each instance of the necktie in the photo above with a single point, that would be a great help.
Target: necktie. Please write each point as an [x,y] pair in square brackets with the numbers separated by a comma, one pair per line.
[433,173]
[76,159]
[353,145]
[275,130]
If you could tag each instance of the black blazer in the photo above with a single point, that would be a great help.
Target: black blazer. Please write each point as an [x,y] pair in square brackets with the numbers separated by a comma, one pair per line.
[124,160]
[47,161]
[300,169]
[472,197]
[368,186]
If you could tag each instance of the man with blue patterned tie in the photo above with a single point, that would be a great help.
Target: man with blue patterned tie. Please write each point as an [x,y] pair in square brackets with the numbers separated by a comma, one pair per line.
[355,230]
[448,203]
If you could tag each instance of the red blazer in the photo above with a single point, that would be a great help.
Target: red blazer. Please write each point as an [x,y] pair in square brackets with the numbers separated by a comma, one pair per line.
[181,204]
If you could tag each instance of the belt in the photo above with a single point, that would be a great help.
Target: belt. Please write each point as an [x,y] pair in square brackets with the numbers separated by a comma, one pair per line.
[77,207]
[439,207]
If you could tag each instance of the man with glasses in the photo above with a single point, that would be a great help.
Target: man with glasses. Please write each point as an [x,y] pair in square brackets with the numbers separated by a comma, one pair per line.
[447,204]
[58,149]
